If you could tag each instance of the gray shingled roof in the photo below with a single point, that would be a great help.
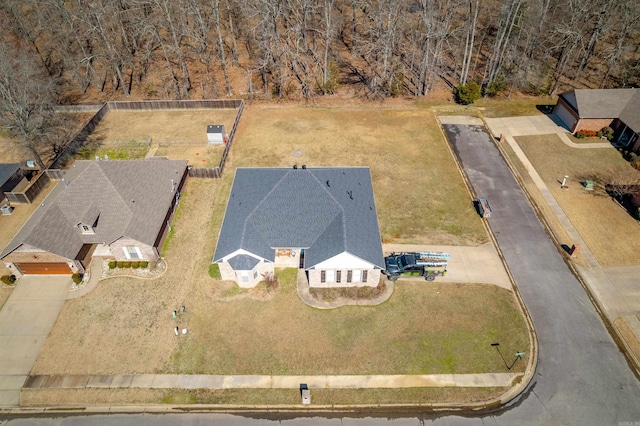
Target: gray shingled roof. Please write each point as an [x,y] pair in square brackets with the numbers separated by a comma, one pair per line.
[631,113]
[126,198]
[6,171]
[603,103]
[243,262]
[270,208]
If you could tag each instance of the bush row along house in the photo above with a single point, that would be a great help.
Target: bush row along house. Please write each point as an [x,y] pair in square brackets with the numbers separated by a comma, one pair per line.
[593,109]
[320,220]
[114,209]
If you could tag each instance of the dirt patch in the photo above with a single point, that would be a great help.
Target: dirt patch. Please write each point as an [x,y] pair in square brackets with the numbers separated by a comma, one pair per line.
[607,228]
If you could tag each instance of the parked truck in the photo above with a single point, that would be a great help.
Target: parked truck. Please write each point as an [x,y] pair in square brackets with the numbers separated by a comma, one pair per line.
[427,264]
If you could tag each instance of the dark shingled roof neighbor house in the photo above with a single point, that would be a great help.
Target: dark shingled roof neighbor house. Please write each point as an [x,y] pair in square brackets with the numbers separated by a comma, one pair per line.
[326,211]
[115,198]
[7,173]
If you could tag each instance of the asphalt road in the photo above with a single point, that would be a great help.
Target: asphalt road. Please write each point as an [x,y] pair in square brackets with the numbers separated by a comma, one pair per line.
[581,378]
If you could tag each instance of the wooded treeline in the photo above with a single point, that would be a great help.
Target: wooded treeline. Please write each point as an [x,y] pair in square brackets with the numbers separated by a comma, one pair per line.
[185,49]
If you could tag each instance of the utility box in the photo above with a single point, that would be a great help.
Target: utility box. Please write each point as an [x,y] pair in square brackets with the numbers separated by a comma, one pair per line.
[216,134]
[588,185]
[484,208]
[305,393]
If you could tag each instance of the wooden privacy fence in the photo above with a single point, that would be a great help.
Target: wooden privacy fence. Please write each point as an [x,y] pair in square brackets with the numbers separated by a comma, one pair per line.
[159,105]
[81,137]
[30,192]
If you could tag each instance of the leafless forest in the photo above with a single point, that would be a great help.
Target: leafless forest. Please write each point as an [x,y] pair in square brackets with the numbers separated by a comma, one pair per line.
[185,49]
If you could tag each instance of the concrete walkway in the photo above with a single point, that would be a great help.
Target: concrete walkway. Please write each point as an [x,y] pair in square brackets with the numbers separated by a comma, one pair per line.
[194,381]
[25,321]
[616,289]
[537,125]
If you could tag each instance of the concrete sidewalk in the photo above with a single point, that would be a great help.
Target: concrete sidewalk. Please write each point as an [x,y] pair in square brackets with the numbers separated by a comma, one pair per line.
[25,321]
[168,381]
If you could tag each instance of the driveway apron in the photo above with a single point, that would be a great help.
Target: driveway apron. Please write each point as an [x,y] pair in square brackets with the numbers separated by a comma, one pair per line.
[25,321]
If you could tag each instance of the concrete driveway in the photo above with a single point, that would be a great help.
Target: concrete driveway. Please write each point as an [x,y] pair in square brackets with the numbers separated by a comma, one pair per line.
[25,321]
[537,125]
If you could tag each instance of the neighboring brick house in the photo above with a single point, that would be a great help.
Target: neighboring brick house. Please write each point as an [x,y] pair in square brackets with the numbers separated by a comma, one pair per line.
[593,109]
[115,209]
[322,220]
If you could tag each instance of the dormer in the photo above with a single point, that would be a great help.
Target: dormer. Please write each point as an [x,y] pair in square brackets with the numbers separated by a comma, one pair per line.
[87,229]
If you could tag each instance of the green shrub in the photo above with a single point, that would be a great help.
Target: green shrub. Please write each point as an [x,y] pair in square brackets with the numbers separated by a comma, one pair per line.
[8,279]
[77,278]
[580,135]
[135,264]
[127,264]
[112,264]
[120,264]
[214,271]
[468,93]
[496,87]
[144,264]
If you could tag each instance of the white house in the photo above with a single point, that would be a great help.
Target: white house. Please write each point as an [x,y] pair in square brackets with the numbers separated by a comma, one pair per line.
[322,220]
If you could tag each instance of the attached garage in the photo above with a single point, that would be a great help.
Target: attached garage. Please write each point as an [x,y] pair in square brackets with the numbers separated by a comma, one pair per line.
[566,116]
[32,268]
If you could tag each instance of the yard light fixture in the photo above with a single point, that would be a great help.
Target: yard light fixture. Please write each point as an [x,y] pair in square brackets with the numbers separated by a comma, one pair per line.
[495,345]
[564,182]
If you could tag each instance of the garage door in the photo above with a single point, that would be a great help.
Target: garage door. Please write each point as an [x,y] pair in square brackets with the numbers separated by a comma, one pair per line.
[44,268]
[566,117]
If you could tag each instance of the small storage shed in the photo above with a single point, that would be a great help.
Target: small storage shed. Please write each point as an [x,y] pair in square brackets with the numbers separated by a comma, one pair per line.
[216,134]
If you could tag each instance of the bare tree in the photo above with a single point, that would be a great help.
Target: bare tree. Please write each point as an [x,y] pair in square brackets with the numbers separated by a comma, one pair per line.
[27,96]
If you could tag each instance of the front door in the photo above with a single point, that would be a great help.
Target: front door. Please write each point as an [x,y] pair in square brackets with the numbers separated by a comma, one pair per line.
[301,258]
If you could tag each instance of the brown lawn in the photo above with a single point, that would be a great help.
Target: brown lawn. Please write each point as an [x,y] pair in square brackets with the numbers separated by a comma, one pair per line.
[610,232]
[125,325]
[420,195]
[176,134]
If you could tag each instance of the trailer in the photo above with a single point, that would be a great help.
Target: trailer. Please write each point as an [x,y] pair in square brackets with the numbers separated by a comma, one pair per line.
[427,264]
